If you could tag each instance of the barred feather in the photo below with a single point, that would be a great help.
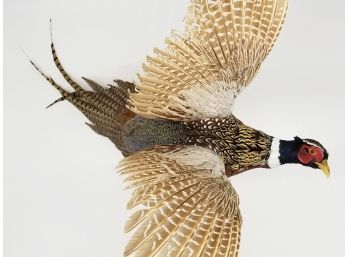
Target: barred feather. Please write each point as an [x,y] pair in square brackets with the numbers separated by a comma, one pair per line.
[204,69]
[190,206]
[106,108]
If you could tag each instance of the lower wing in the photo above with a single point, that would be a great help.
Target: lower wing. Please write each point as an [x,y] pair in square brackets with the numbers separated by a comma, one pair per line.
[189,207]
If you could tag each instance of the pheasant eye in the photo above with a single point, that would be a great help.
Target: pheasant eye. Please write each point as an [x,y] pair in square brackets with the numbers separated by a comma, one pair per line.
[311,151]
[305,150]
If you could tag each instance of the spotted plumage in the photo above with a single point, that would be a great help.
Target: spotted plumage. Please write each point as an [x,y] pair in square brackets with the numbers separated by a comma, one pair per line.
[240,146]
[176,128]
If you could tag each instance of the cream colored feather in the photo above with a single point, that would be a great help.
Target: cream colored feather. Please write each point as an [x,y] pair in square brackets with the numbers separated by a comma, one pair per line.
[189,206]
[204,69]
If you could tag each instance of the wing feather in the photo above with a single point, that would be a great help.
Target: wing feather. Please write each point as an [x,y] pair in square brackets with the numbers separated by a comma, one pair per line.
[183,234]
[225,240]
[170,227]
[219,53]
[196,244]
[187,203]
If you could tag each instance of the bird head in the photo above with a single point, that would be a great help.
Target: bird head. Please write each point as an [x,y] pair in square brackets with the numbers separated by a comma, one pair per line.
[312,154]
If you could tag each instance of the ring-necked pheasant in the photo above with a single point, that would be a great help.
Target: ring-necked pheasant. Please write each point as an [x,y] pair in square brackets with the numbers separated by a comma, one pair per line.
[178,133]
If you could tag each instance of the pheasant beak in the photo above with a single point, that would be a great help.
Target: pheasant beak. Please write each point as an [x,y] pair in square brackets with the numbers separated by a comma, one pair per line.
[324,166]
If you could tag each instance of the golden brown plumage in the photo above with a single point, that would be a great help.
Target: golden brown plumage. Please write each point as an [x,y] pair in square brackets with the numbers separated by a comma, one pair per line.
[190,207]
[203,69]
[176,128]
[240,146]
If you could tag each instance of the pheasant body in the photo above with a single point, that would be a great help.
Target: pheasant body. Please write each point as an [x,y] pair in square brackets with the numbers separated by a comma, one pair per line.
[140,133]
[241,147]
[176,128]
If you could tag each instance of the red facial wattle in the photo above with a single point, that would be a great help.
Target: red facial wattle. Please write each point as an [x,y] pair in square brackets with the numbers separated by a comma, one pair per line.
[309,153]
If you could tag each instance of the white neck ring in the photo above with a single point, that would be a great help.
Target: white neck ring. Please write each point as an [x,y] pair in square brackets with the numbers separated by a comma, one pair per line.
[273,160]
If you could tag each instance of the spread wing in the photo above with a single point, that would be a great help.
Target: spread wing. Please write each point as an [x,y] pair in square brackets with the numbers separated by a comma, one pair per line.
[189,207]
[201,71]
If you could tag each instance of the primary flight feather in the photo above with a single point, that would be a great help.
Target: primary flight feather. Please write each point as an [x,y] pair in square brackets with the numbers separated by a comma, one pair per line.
[178,134]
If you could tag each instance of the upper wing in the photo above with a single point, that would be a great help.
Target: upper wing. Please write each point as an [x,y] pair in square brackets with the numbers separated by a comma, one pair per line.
[201,71]
[189,206]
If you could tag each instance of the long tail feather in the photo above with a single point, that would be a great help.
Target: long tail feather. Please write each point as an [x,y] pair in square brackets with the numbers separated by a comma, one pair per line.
[105,107]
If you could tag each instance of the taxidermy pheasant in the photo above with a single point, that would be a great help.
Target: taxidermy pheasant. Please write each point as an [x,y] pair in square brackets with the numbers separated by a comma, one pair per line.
[178,134]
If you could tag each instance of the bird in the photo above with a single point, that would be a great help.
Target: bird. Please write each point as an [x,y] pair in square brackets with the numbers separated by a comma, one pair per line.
[178,134]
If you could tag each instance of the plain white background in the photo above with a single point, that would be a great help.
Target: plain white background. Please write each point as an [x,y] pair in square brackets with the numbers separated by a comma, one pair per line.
[62,196]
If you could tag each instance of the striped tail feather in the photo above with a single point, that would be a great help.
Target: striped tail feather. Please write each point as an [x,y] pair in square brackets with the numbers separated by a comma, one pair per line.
[105,107]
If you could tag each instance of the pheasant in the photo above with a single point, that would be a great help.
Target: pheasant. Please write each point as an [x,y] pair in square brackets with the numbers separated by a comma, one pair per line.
[176,129]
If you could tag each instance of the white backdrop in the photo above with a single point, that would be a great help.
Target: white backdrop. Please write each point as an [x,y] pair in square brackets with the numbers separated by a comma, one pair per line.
[62,196]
